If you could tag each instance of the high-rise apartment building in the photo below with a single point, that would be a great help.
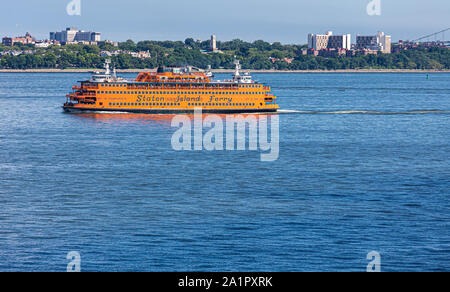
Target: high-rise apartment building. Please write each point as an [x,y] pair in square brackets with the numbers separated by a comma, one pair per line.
[213,47]
[379,42]
[329,41]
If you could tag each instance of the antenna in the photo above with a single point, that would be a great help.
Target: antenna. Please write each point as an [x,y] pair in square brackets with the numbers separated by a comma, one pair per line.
[238,66]
[107,62]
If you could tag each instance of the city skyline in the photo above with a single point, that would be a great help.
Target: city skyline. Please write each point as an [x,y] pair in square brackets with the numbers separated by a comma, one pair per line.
[287,21]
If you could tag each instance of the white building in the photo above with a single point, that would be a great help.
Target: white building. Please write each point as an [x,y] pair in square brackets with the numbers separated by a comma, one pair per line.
[329,41]
[43,44]
[379,42]
[71,35]
[213,43]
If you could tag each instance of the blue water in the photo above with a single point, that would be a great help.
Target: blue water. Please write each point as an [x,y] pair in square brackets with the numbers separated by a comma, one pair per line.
[364,166]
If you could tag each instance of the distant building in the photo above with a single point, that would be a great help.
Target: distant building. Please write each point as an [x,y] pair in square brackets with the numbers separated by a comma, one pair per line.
[333,52]
[26,40]
[379,43]
[213,47]
[46,44]
[73,35]
[329,41]
[115,44]
[140,55]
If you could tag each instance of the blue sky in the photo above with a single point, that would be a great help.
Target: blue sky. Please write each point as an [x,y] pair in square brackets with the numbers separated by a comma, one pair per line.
[288,21]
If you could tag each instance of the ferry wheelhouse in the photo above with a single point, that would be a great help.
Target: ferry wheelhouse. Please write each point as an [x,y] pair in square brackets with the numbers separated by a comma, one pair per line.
[171,90]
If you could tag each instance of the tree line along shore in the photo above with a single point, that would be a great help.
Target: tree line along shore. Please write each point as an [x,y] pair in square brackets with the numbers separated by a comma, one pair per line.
[258,56]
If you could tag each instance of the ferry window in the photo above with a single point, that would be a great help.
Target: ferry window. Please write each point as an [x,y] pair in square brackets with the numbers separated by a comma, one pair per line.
[179,104]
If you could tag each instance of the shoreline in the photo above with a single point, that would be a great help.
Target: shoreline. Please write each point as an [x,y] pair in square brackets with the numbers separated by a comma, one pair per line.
[230,71]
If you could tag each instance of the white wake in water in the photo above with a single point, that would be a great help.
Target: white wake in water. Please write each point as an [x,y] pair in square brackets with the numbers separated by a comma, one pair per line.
[365,112]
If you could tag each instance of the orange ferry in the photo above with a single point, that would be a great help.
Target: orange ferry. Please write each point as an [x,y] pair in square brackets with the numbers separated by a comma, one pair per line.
[171,90]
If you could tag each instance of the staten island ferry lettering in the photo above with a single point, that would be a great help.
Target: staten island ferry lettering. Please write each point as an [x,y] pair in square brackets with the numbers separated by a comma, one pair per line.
[171,90]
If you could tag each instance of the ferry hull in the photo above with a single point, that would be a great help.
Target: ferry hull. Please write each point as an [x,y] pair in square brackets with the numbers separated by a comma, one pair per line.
[70,109]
